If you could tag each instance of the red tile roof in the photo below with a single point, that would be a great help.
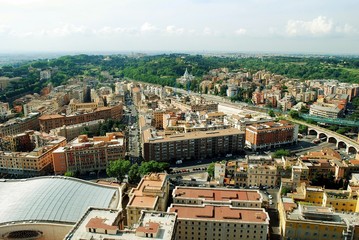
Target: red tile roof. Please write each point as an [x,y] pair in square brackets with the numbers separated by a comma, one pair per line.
[150,227]
[100,223]
[218,213]
[217,194]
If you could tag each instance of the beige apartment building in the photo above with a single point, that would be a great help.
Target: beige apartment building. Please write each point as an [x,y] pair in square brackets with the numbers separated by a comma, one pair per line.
[85,154]
[75,105]
[19,125]
[216,222]
[150,194]
[48,122]
[325,110]
[71,132]
[263,175]
[34,163]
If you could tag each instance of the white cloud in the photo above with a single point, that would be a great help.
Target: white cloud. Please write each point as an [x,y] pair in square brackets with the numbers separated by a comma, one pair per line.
[66,30]
[4,29]
[174,30]
[241,31]
[115,30]
[207,31]
[148,27]
[347,29]
[318,26]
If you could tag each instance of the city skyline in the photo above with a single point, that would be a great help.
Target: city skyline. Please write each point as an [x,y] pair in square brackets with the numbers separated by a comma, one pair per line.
[324,27]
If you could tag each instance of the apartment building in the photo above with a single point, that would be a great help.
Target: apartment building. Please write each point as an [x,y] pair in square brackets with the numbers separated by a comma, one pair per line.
[136,95]
[157,120]
[215,222]
[70,132]
[341,201]
[338,200]
[85,154]
[315,222]
[150,194]
[316,166]
[19,125]
[17,143]
[325,110]
[204,106]
[223,196]
[259,159]
[192,145]
[271,134]
[48,122]
[75,105]
[33,163]
[263,175]
[4,109]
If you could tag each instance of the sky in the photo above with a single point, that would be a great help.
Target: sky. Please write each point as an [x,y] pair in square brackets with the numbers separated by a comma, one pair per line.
[276,26]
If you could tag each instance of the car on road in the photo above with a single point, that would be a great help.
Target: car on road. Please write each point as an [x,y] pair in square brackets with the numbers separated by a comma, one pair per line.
[270,202]
[270,196]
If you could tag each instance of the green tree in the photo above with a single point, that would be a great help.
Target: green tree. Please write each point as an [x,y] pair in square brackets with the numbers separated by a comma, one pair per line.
[223,91]
[281,153]
[294,114]
[271,113]
[153,167]
[285,191]
[69,174]
[134,175]
[118,169]
[333,127]
[210,170]
[303,129]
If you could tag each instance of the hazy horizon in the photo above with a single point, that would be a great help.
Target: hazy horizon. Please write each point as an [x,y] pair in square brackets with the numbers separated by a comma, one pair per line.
[324,27]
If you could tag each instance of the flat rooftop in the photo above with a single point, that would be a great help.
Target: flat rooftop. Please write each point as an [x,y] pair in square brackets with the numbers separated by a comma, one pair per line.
[271,125]
[217,194]
[149,184]
[156,137]
[55,199]
[220,213]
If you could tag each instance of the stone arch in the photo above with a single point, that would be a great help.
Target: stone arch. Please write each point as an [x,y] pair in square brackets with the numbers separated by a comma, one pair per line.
[332,140]
[323,137]
[352,150]
[312,132]
[342,144]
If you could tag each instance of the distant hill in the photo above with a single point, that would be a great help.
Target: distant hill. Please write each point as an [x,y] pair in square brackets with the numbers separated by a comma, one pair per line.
[164,69]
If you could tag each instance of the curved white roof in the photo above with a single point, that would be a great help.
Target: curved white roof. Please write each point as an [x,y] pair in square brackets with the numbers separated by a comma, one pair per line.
[56,199]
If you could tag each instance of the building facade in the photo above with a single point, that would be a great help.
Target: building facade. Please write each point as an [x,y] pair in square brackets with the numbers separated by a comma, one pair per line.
[150,194]
[34,163]
[315,222]
[271,134]
[19,125]
[325,110]
[48,122]
[193,145]
[215,222]
[89,154]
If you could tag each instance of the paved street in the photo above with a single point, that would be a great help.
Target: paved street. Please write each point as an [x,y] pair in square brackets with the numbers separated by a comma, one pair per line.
[133,131]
